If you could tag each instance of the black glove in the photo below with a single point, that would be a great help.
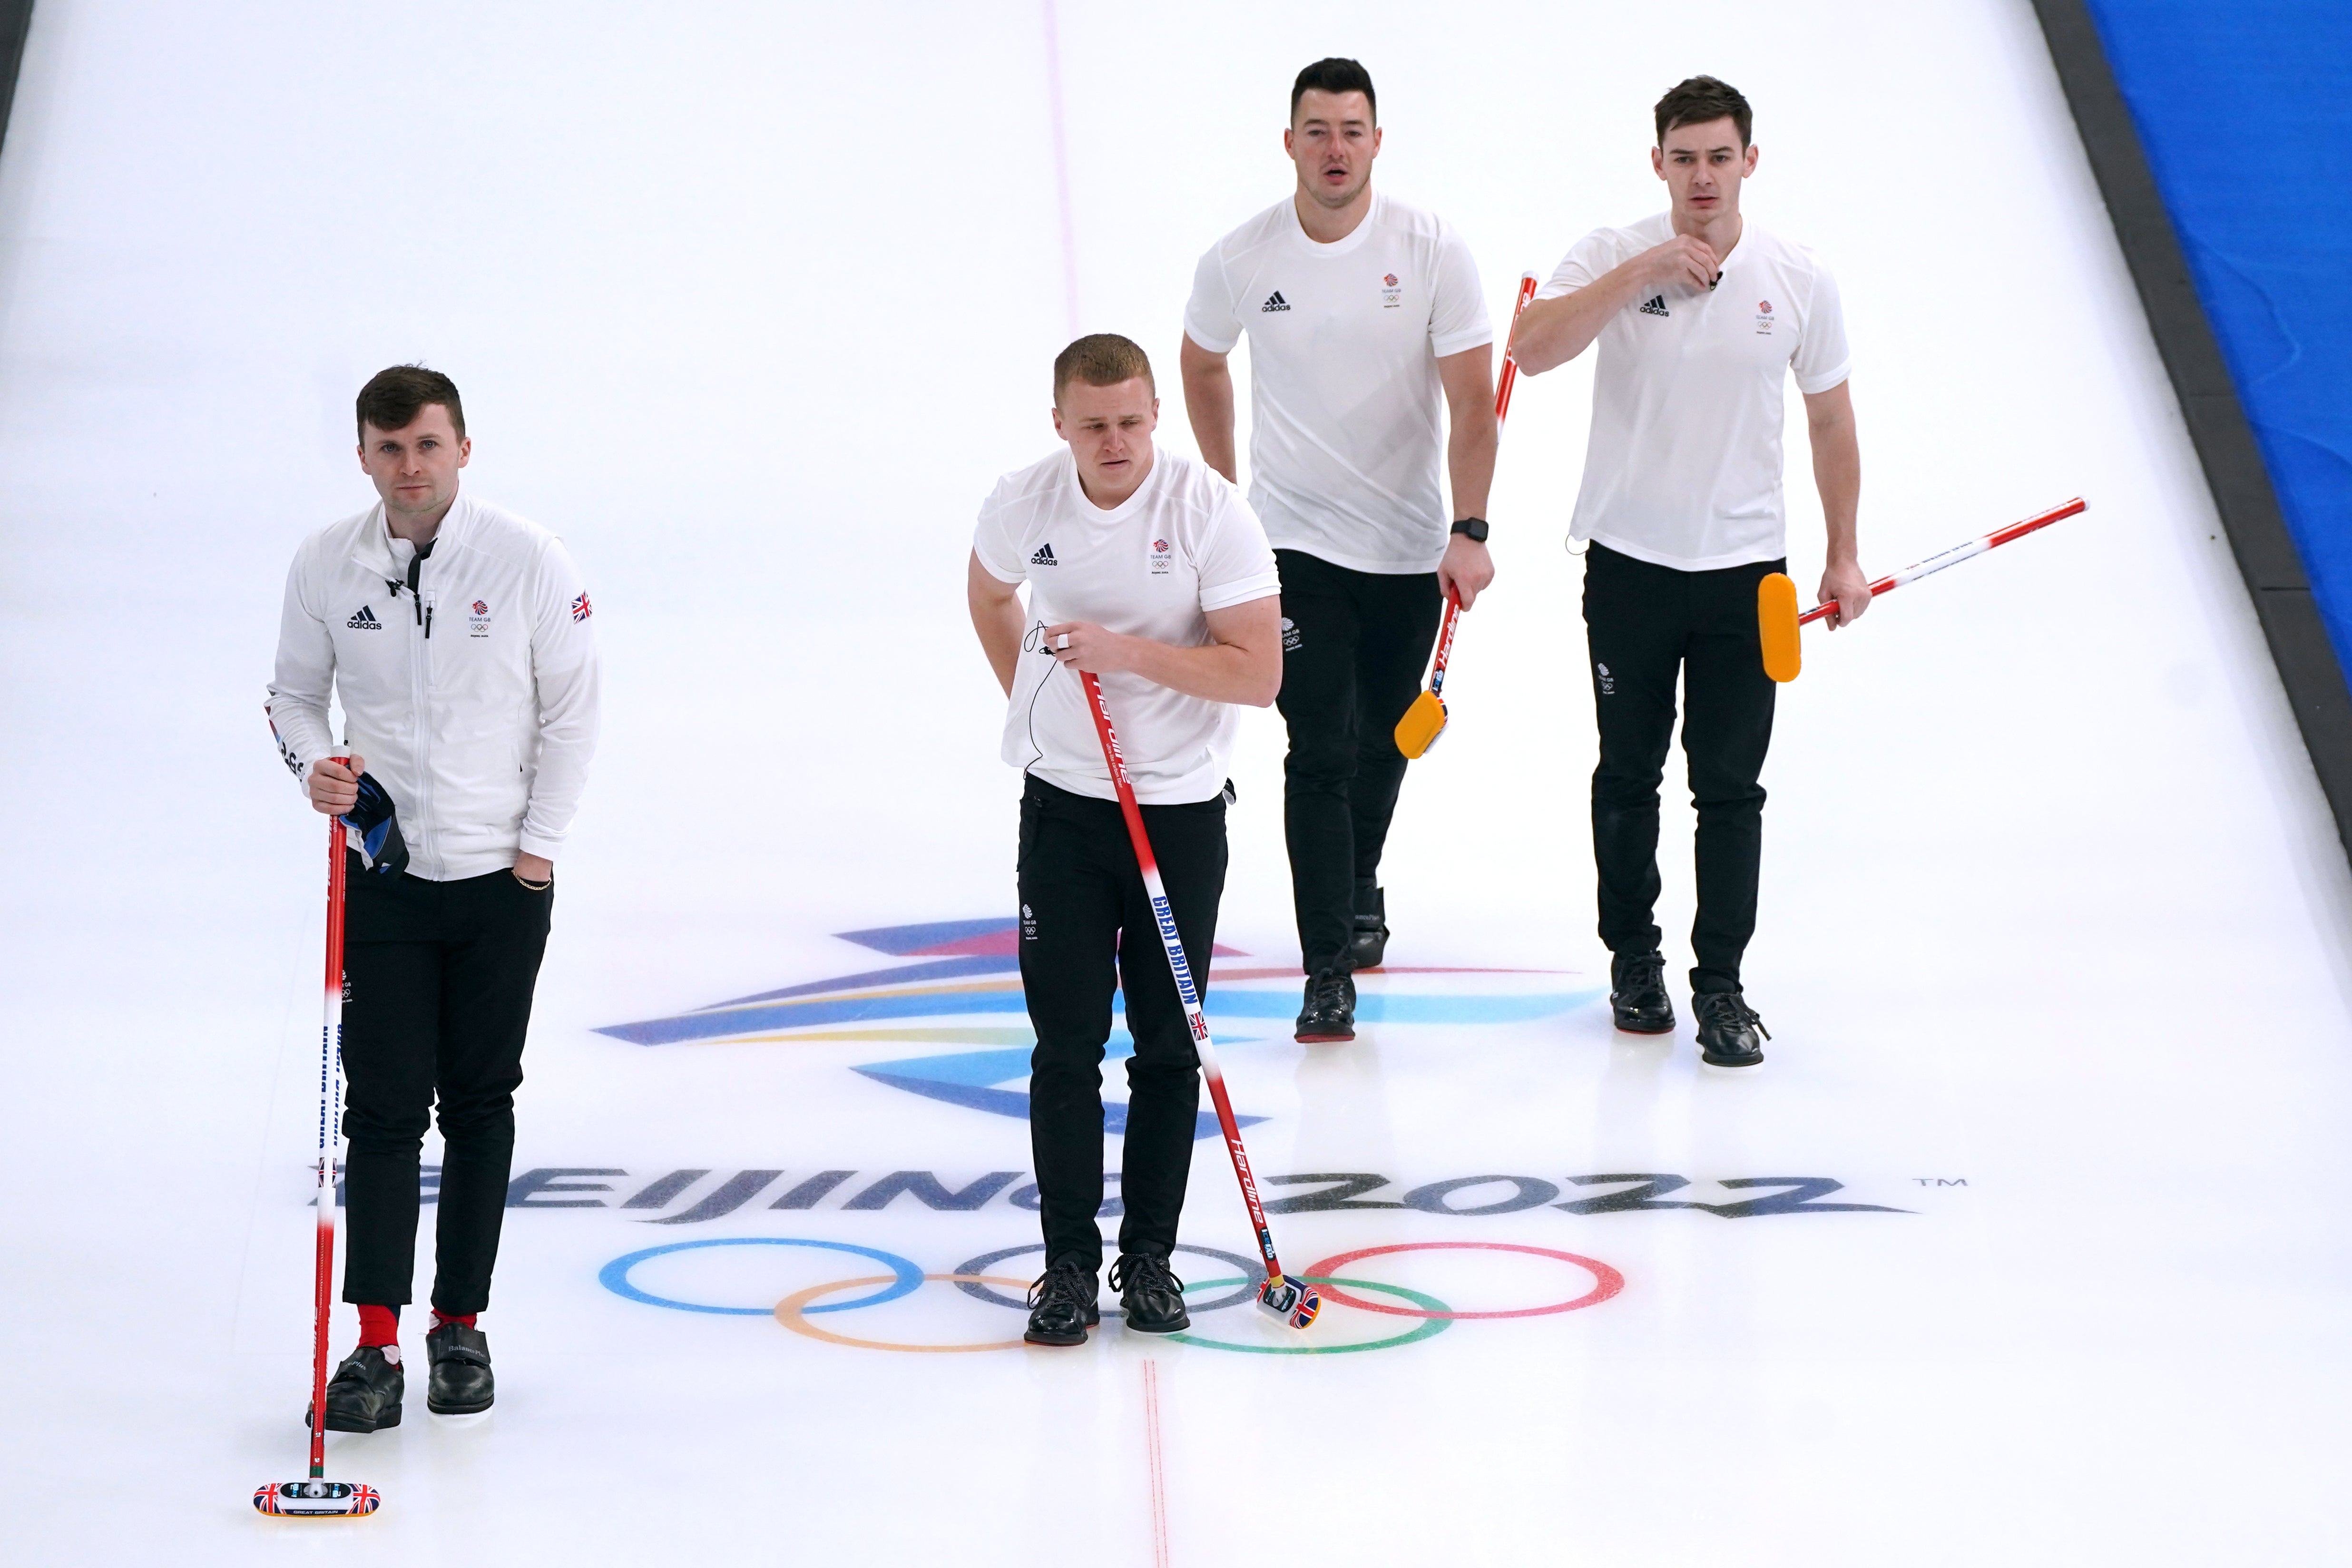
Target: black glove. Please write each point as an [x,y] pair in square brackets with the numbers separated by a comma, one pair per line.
[381,844]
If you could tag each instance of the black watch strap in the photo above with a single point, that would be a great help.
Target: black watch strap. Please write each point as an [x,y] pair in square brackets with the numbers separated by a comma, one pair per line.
[1474,528]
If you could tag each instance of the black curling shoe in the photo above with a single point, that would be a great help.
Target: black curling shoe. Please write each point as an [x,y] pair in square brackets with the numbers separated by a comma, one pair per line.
[1330,1011]
[1062,1305]
[1370,939]
[460,1383]
[1151,1295]
[364,1394]
[1727,1028]
[1637,994]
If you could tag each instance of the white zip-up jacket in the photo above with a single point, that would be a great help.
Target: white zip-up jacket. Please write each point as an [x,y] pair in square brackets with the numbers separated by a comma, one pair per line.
[472,699]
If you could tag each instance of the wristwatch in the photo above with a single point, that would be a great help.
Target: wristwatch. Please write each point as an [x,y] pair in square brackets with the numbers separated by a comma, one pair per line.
[1473,529]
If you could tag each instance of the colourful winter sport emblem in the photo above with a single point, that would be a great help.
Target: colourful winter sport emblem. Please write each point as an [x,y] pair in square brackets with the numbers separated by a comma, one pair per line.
[945,1020]
[959,984]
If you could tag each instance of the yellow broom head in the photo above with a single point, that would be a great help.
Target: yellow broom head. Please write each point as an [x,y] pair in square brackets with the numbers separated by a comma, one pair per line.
[1421,725]
[1776,627]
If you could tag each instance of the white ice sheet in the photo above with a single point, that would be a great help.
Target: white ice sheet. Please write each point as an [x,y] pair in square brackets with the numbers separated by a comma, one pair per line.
[751,304]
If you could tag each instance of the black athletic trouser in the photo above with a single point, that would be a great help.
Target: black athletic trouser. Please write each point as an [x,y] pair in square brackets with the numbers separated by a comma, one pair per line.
[1644,623]
[1354,645]
[440,977]
[1082,903]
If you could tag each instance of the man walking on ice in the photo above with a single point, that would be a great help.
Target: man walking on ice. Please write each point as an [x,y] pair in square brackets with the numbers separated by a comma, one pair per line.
[458,637]
[1149,571]
[1362,314]
[1701,315]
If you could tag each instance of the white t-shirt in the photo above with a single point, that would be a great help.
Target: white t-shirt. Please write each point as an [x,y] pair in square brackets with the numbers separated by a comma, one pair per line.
[1345,402]
[1683,465]
[1153,566]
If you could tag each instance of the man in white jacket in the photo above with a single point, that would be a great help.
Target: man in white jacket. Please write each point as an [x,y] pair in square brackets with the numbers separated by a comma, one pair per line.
[458,637]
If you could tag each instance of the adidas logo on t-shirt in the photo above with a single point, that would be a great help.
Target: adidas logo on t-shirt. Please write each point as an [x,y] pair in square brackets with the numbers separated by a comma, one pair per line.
[1274,301]
[1656,306]
[1045,556]
[365,620]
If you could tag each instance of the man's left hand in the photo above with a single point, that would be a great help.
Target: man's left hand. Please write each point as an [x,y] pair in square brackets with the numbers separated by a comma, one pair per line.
[535,869]
[1467,569]
[1086,646]
[1844,582]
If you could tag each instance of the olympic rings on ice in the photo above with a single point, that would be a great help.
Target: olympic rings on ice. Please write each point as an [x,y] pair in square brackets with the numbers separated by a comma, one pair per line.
[1253,1272]
[791,1310]
[904,1279]
[795,1310]
[1607,1281]
[1438,1321]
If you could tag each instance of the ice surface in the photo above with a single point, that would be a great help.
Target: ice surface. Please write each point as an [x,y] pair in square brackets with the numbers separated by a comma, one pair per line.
[752,303]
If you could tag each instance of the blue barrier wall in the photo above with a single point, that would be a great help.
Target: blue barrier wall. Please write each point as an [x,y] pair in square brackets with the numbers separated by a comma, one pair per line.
[2245,109]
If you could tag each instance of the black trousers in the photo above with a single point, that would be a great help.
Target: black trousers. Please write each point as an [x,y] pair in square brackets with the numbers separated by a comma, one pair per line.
[1642,624]
[440,977]
[1082,905]
[1354,645]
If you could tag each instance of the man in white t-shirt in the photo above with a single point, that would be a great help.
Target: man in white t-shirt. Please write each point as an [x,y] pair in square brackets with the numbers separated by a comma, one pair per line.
[1701,317]
[1363,314]
[1150,571]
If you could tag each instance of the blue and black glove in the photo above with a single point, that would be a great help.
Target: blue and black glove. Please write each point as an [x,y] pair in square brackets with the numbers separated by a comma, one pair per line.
[381,844]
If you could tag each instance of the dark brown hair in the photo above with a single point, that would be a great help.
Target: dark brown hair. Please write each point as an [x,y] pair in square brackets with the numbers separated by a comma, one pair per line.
[1100,359]
[394,397]
[1335,75]
[1701,101]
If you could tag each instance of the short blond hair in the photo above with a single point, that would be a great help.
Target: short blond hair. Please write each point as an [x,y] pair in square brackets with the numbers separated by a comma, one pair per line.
[1101,359]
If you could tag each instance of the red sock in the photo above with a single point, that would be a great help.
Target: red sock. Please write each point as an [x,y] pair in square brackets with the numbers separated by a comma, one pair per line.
[379,1326]
[440,1317]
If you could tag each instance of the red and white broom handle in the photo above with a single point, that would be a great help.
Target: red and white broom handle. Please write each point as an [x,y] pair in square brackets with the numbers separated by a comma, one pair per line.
[1954,555]
[1510,373]
[1503,386]
[1165,918]
[331,1052]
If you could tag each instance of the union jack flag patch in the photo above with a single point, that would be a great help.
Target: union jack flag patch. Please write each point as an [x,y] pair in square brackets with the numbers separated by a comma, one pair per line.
[581,608]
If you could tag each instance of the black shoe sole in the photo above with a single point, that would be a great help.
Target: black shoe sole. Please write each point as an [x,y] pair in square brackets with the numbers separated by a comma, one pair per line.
[1164,1326]
[459,1409]
[1743,1064]
[1625,1028]
[345,1424]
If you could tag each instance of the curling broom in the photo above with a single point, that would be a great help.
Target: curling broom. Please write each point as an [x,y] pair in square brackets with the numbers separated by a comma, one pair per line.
[1295,1302]
[316,1496]
[1777,620]
[1425,719]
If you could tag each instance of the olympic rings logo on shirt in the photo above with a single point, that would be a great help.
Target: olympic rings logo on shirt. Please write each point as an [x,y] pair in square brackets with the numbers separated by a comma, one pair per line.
[972,1278]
